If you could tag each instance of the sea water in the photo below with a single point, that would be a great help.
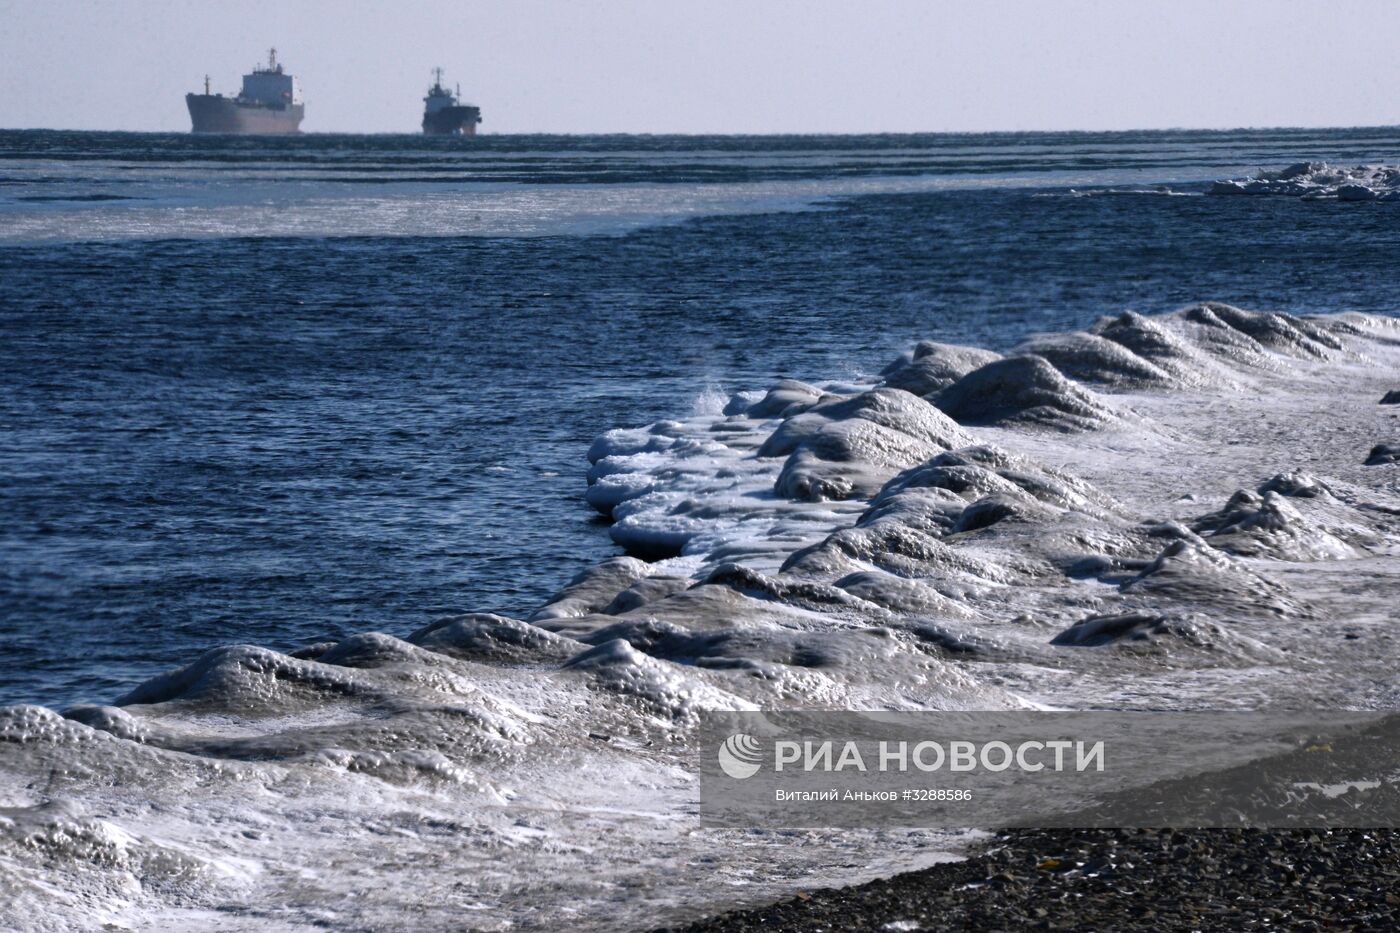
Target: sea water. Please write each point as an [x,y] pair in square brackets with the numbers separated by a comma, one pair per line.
[283,390]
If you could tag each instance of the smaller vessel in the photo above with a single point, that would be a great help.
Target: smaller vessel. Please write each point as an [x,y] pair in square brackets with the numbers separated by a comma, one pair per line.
[270,102]
[444,114]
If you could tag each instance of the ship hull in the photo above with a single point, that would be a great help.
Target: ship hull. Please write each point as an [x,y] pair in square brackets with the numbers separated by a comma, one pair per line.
[452,121]
[213,113]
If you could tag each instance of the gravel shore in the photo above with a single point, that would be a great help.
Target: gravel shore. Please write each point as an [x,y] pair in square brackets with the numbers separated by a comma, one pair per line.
[1119,880]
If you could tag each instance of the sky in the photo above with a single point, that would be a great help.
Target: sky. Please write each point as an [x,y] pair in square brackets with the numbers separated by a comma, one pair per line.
[717,66]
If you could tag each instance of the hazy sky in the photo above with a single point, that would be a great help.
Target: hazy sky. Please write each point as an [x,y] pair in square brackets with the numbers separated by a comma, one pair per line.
[761,66]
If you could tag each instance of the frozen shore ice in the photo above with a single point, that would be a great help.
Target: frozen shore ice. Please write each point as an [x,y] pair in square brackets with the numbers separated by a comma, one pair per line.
[1173,511]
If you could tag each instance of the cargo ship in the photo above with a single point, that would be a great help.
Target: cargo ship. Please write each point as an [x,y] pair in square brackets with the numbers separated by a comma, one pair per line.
[444,114]
[270,102]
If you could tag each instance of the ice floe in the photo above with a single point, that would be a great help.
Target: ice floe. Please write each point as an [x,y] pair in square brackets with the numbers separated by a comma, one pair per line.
[1319,180]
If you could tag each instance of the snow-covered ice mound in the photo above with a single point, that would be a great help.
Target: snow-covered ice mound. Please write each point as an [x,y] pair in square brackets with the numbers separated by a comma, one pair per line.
[1171,511]
[1023,390]
[1383,454]
[932,366]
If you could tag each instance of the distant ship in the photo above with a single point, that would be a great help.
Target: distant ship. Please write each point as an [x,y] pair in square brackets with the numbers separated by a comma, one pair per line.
[270,102]
[444,114]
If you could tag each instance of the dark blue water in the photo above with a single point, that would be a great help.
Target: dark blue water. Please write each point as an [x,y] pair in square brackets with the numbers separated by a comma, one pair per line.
[542,159]
[290,438]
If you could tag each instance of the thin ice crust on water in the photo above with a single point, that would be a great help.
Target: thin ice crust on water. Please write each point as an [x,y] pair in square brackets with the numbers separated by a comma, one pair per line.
[1198,510]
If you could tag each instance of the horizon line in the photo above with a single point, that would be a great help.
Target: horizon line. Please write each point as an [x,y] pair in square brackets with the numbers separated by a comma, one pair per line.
[694,133]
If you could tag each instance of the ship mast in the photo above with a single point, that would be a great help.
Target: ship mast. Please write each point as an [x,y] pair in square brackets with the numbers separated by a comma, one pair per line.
[206,85]
[437,77]
[272,59]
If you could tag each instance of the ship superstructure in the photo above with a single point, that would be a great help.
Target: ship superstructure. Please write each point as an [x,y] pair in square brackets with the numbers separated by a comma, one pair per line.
[444,114]
[270,102]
